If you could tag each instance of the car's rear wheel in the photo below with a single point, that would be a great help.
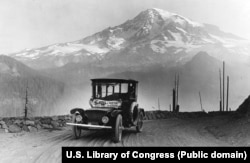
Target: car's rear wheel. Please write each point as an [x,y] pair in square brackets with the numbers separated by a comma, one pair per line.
[139,125]
[118,129]
[133,113]
[76,130]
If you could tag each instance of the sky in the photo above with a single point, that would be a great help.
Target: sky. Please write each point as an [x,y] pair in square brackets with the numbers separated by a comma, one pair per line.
[27,24]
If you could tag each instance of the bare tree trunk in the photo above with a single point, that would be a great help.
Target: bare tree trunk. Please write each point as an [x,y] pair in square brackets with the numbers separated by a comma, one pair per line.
[201,102]
[177,90]
[227,92]
[26,104]
[174,100]
[159,105]
[223,100]
[220,91]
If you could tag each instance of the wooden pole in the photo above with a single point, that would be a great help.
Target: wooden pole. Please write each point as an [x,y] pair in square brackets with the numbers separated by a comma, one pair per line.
[175,81]
[174,105]
[174,93]
[177,90]
[200,101]
[220,91]
[227,92]
[159,106]
[175,87]
[26,104]
[223,87]
[220,105]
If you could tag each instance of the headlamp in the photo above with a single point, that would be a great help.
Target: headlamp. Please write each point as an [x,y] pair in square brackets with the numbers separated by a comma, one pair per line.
[105,119]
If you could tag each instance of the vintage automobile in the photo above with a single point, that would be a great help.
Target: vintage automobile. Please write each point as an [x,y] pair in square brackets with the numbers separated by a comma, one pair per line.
[113,106]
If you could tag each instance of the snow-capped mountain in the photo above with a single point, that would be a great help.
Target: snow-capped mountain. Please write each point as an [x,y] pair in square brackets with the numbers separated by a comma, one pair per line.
[153,36]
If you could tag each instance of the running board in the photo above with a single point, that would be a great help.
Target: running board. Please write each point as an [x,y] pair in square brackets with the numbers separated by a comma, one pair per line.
[89,126]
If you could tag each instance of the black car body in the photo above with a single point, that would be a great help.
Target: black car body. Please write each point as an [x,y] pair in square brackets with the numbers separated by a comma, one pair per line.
[113,106]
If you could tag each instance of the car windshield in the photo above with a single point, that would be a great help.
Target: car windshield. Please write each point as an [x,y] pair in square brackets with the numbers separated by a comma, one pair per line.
[110,91]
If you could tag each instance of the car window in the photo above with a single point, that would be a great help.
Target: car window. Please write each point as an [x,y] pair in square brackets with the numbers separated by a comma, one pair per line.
[98,91]
[124,88]
[103,90]
[117,88]
[110,90]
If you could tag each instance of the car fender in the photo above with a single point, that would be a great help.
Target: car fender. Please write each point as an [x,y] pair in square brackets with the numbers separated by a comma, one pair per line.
[114,113]
[75,110]
[80,111]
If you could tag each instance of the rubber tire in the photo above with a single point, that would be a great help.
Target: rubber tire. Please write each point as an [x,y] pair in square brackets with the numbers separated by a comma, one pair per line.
[133,107]
[76,131]
[118,129]
[139,125]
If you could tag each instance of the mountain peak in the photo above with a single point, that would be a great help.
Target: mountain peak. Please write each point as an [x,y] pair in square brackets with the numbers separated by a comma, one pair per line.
[159,12]
[154,13]
[169,16]
[204,59]
[163,13]
[202,56]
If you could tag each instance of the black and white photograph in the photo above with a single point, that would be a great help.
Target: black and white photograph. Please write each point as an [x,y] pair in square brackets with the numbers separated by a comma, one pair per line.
[122,73]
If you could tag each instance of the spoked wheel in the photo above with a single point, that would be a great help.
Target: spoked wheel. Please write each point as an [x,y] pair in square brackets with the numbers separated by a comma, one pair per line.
[76,130]
[139,125]
[118,129]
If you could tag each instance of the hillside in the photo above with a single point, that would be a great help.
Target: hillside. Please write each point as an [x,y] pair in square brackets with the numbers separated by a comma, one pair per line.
[15,77]
[244,108]
[199,74]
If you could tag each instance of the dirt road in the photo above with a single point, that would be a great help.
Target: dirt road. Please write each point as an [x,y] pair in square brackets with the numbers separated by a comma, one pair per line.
[45,145]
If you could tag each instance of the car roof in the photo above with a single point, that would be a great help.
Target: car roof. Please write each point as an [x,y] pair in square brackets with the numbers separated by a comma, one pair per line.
[108,80]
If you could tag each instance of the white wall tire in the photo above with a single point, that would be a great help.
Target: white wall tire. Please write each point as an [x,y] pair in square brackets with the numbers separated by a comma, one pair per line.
[118,129]
[76,130]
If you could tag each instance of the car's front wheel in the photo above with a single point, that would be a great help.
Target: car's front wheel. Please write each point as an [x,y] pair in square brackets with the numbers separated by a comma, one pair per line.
[139,125]
[118,129]
[76,130]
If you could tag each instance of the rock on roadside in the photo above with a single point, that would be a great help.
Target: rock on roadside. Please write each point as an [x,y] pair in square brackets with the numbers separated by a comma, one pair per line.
[14,128]
[54,124]
[3,125]
[46,126]
[30,123]
[32,129]
[25,128]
